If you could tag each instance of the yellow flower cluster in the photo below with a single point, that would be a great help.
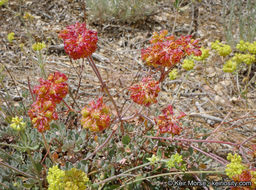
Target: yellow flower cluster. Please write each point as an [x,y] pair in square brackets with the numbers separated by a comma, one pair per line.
[153,159]
[230,66]
[246,46]
[174,161]
[71,179]
[245,58]
[55,178]
[235,167]
[28,16]
[188,64]
[17,123]
[173,74]
[253,180]
[205,54]
[222,49]
[10,37]
[38,46]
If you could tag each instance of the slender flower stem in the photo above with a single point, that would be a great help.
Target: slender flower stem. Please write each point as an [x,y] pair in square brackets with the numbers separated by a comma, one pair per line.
[70,109]
[105,88]
[215,157]
[47,148]
[30,90]
[112,178]
[192,140]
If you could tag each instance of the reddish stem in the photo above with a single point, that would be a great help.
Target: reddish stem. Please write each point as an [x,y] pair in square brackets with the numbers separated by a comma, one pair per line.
[105,88]
[29,87]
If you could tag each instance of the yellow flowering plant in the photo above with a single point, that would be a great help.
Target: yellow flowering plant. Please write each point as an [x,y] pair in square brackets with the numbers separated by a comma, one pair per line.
[17,123]
[10,37]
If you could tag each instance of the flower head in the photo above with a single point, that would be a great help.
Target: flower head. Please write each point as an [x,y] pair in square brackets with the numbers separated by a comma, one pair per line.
[17,123]
[188,64]
[28,16]
[205,55]
[173,74]
[244,58]
[42,113]
[55,178]
[145,92]
[54,88]
[10,37]
[168,123]
[49,93]
[71,179]
[75,179]
[166,51]
[230,66]
[96,116]
[38,46]
[222,49]
[235,167]
[79,42]
[153,159]
[175,162]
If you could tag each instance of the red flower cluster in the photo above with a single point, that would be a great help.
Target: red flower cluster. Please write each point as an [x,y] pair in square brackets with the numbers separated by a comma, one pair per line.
[168,123]
[96,117]
[53,89]
[145,92]
[79,42]
[49,93]
[246,176]
[166,51]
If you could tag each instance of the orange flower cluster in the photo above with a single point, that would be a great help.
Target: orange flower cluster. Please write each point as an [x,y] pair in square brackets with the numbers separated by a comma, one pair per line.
[49,93]
[96,117]
[247,175]
[167,51]
[168,123]
[79,42]
[145,92]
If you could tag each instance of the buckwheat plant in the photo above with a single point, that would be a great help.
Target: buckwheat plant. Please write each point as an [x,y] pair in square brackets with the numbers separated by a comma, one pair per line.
[101,118]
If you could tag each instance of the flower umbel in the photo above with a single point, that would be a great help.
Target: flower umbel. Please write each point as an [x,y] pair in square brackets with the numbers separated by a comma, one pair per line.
[38,46]
[188,64]
[173,74]
[145,92]
[79,42]
[235,167]
[10,37]
[166,51]
[175,162]
[168,123]
[75,179]
[205,55]
[71,179]
[17,123]
[96,116]
[222,49]
[153,159]
[55,178]
[49,93]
